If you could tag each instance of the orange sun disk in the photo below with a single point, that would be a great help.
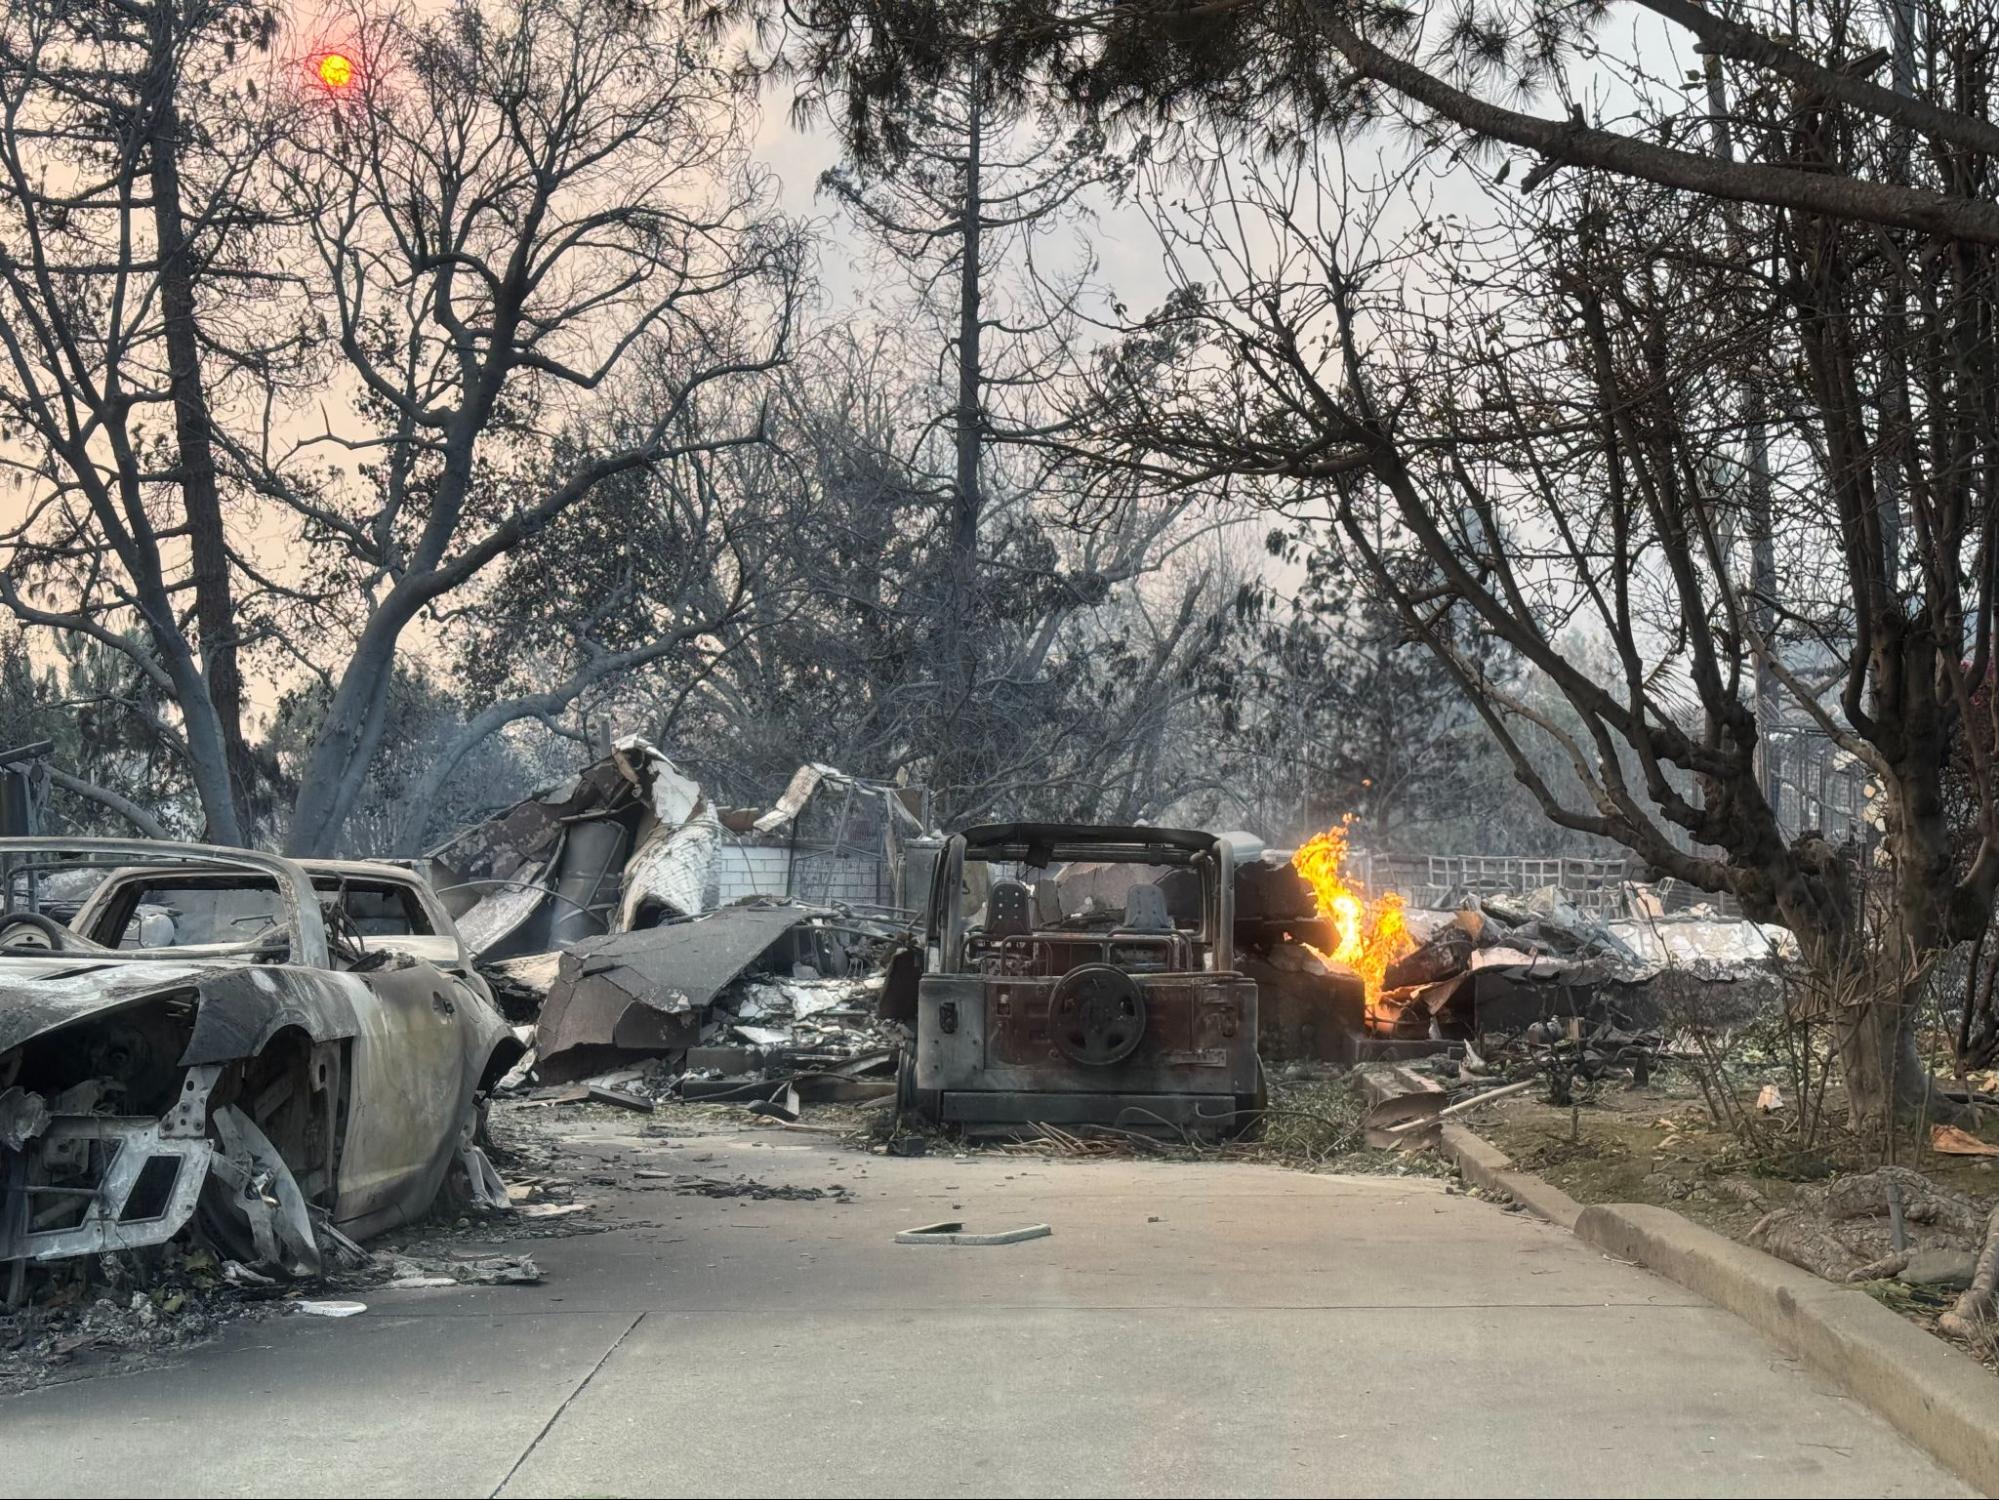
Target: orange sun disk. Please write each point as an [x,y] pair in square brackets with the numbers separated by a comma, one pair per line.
[336,70]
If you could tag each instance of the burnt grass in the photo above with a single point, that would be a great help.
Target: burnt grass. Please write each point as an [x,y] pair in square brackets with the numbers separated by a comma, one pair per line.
[1313,1123]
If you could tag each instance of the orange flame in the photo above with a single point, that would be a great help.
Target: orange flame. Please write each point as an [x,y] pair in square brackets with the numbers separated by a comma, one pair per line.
[1372,934]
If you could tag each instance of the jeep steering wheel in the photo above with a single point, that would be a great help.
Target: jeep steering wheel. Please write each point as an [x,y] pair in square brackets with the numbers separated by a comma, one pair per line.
[59,939]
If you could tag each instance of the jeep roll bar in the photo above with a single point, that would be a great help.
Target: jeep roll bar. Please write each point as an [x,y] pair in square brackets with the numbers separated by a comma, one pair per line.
[1065,843]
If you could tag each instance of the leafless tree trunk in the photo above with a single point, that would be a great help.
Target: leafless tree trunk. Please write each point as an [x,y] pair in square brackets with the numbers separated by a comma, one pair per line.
[99,271]
[957,681]
[201,497]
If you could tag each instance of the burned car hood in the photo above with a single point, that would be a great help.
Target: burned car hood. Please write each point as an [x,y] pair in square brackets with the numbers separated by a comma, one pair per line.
[238,1004]
[40,994]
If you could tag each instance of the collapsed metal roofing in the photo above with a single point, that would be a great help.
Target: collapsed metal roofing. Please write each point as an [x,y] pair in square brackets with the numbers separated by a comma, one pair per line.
[647,991]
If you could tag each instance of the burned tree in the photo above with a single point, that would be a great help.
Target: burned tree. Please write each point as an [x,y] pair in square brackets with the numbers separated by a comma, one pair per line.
[396,313]
[127,143]
[628,600]
[1544,421]
[970,204]
[1085,703]
[108,766]
[528,221]
[1330,707]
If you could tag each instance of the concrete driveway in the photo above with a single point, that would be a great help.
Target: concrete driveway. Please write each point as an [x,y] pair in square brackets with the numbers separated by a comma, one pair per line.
[1188,1329]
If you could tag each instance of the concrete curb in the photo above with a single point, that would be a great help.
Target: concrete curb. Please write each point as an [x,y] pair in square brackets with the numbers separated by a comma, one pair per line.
[1940,1400]
[1483,1164]
[1492,1169]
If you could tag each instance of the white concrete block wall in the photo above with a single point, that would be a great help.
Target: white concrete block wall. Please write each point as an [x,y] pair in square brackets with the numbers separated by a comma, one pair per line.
[749,870]
[861,881]
[742,870]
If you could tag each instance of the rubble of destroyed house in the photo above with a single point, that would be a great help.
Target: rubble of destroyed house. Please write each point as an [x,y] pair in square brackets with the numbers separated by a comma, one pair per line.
[1498,964]
[1345,977]
[662,946]
[1474,965]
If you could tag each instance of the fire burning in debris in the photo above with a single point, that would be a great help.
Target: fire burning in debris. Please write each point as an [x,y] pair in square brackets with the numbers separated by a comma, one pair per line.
[1372,934]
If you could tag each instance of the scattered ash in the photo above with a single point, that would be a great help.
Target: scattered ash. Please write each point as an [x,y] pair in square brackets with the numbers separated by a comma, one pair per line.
[131,1311]
[741,1187]
[113,1314]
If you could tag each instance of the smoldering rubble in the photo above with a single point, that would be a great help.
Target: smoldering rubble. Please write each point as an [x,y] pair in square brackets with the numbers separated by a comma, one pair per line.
[659,946]
[1491,972]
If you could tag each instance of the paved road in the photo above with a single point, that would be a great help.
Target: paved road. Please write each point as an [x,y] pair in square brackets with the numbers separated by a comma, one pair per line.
[1188,1329]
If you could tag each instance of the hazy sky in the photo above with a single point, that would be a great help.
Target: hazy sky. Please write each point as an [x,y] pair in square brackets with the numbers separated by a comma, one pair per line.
[849,277]
[1127,251]
[1128,255]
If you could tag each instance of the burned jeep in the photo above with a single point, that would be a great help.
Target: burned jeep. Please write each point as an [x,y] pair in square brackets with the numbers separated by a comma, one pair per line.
[1116,1012]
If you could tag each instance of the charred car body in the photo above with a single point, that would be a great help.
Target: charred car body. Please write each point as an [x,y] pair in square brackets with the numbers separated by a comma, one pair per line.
[220,1035]
[1117,1015]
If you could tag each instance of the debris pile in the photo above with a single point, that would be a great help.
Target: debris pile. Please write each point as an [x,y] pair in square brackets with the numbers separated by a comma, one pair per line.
[599,915]
[120,1308]
[402,1273]
[1483,968]
[1499,964]
[127,1309]
[761,990]
[626,843]
[631,843]
[693,1185]
[821,1036]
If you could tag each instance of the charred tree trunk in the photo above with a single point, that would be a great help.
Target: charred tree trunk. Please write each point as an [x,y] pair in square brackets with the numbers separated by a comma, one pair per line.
[208,549]
[1885,1079]
[969,434]
[1867,974]
[1977,1040]
[958,680]
[1756,454]
[345,747]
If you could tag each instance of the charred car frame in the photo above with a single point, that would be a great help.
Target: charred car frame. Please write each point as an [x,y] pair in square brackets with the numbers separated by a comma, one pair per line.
[299,1078]
[1130,1017]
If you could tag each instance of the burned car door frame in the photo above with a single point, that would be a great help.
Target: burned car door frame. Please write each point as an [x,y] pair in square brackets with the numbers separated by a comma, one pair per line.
[1075,1020]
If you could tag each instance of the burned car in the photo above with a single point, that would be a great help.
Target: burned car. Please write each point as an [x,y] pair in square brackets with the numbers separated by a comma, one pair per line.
[1115,1013]
[266,1050]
